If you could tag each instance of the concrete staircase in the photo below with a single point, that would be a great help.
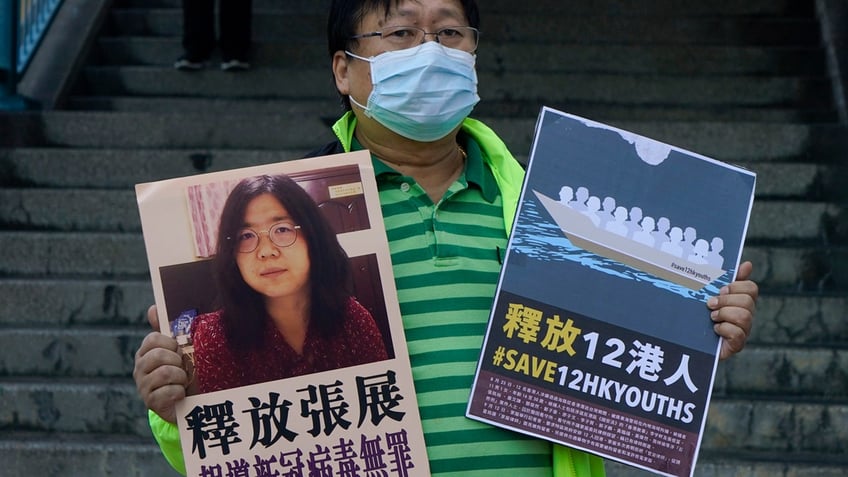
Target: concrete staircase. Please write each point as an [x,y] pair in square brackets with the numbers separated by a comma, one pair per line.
[742,81]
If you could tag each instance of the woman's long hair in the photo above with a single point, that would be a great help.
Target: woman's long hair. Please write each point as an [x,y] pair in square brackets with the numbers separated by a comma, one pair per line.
[243,309]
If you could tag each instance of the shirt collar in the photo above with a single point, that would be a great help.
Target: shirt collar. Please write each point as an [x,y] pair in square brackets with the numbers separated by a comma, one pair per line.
[476,171]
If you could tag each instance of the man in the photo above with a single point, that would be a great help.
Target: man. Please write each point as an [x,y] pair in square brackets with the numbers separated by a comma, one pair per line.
[449,190]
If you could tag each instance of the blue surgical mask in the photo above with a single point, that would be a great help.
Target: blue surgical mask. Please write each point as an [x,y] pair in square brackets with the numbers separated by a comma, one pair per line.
[421,93]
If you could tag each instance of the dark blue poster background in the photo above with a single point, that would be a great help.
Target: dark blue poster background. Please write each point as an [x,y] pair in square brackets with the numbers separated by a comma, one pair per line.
[688,189]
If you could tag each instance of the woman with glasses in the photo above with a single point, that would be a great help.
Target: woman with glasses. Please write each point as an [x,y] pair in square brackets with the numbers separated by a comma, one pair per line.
[282,278]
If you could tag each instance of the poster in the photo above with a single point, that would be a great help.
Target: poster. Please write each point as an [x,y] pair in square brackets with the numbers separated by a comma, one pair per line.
[599,337]
[350,419]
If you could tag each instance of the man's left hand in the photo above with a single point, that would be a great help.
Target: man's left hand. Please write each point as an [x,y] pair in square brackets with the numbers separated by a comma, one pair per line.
[733,311]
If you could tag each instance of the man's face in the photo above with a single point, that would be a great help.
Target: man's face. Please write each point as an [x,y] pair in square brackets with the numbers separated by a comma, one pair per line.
[430,15]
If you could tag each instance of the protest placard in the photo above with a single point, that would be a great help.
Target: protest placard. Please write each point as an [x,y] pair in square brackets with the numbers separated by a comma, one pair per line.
[333,397]
[600,337]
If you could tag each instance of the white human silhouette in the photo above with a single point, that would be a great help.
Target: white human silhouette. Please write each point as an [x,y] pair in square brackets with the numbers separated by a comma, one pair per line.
[661,234]
[566,195]
[673,245]
[579,202]
[617,226]
[689,236]
[633,224]
[605,214]
[644,235]
[714,258]
[699,252]
[593,205]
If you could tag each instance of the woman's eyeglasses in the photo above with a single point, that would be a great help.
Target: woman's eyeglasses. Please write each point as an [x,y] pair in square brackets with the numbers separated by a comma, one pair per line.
[282,234]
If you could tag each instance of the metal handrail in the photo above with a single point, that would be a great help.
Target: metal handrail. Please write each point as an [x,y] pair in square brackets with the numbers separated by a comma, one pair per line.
[36,16]
[23,24]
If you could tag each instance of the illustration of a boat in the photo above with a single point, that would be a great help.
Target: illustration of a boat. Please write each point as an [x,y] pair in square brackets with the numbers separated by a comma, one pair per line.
[580,230]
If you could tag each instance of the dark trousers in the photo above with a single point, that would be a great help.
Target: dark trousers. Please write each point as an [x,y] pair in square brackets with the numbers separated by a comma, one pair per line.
[234,24]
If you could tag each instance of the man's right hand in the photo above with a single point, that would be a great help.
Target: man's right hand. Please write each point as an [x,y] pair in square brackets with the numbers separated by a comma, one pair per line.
[159,375]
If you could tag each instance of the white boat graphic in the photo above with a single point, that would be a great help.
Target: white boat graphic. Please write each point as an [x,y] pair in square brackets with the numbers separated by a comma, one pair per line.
[580,230]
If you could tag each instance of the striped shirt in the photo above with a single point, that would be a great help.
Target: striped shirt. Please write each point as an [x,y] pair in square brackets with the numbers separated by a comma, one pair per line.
[446,262]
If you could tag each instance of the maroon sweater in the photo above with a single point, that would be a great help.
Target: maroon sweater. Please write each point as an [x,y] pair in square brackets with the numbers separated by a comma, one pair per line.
[217,366]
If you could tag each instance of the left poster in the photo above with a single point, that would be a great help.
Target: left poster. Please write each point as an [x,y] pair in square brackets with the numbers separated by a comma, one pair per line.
[328,394]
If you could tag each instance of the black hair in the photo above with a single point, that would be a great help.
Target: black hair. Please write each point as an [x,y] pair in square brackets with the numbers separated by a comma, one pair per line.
[346,15]
[243,309]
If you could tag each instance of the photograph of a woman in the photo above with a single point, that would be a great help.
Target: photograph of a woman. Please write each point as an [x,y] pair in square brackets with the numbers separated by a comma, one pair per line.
[282,278]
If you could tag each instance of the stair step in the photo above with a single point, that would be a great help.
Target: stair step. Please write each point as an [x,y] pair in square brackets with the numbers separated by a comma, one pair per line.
[162,104]
[609,7]
[67,302]
[778,426]
[728,91]
[109,352]
[105,405]
[780,220]
[258,83]
[267,24]
[81,455]
[90,455]
[732,142]
[778,268]
[670,60]
[805,373]
[173,130]
[654,29]
[725,463]
[120,168]
[87,455]
[99,407]
[90,255]
[655,7]
[69,209]
[97,168]
[781,319]
[163,51]
[799,319]
[800,269]
[69,352]
[117,211]
[522,27]
[293,6]
[799,180]
[331,109]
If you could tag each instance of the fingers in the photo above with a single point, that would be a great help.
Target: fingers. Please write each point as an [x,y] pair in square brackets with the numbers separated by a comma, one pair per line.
[745,270]
[733,339]
[156,350]
[733,312]
[159,374]
[153,317]
[163,400]
[736,309]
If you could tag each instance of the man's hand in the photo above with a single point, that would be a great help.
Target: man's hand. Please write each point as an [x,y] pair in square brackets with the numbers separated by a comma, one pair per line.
[733,311]
[158,373]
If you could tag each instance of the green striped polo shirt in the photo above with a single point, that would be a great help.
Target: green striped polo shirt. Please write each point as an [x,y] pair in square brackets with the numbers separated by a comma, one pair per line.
[446,262]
